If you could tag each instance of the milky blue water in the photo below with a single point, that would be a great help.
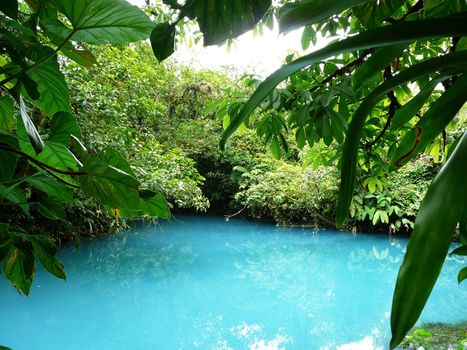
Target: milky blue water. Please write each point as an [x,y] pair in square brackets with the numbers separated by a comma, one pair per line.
[203,283]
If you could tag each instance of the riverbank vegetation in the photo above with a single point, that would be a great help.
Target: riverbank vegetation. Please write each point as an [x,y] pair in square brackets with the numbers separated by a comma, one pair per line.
[94,130]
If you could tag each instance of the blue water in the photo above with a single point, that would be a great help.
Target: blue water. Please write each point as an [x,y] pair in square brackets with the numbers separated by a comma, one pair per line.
[203,283]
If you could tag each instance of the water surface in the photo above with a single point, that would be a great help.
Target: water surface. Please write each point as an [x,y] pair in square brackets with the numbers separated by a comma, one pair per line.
[203,283]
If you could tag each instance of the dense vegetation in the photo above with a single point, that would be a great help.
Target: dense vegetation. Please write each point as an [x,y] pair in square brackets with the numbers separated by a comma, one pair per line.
[114,139]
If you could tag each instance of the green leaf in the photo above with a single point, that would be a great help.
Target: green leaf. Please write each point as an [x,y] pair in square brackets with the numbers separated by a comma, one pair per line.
[439,213]
[83,57]
[7,119]
[9,8]
[49,185]
[404,114]
[433,122]
[374,13]
[276,148]
[110,186]
[351,144]
[221,20]
[104,21]
[462,250]
[51,208]
[380,59]
[54,96]
[4,348]
[14,195]
[8,159]
[27,124]
[384,36]
[63,125]
[154,205]
[19,267]
[308,12]
[163,40]
[300,137]
[306,38]
[58,156]
[462,275]
[45,250]
[112,157]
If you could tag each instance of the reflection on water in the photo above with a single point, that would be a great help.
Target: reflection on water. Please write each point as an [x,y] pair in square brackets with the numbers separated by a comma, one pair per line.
[202,283]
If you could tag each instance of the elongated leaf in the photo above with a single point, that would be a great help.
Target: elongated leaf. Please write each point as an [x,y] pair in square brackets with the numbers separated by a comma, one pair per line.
[350,150]
[19,267]
[104,21]
[49,185]
[45,250]
[221,20]
[163,41]
[54,96]
[308,12]
[28,125]
[7,119]
[376,63]
[8,159]
[439,213]
[462,250]
[384,36]
[404,114]
[462,275]
[433,122]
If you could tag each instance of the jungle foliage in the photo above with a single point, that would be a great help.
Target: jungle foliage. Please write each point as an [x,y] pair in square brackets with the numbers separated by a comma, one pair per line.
[387,87]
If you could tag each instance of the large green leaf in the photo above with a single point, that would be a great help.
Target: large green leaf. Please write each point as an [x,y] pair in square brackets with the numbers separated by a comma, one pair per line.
[63,125]
[104,21]
[14,195]
[7,119]
[9,8]
[19,267]
[45,250]
[163,40]
[384,36]
[111,181]
[8,159]
[221,20]
[58,156]
[7,122]
[53,90]
[112,157]
[49,185]
[432,123]
[307,12]
[109,185]
[380,59]
[351,144]
[439,213]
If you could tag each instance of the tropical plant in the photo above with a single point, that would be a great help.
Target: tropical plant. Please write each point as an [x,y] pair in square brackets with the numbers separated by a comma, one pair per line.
[37,176]
[392,80]
[43,161]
